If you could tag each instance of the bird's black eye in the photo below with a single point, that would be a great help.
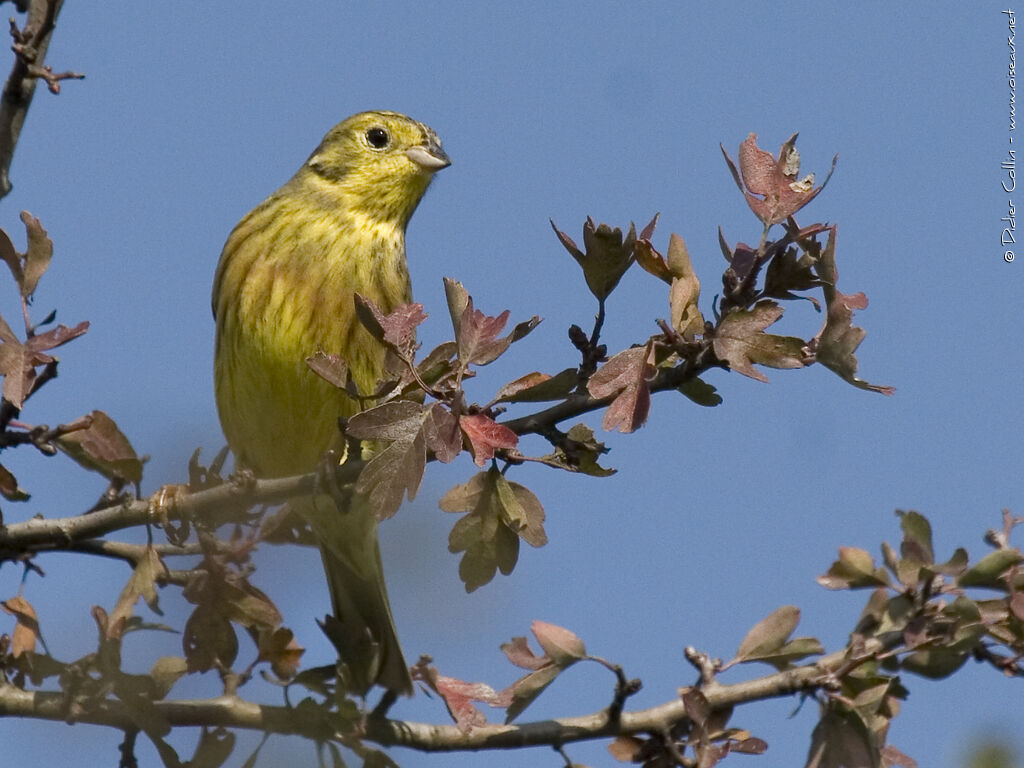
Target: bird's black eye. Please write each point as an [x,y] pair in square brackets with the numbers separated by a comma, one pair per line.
[378,138]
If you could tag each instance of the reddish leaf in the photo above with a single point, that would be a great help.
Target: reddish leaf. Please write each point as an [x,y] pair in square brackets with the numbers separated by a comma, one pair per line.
[561,645]
[459,696]
[562,649]
[18,361]
[625,376]
[486,436]
[518,651]
[396,329]
[770,186]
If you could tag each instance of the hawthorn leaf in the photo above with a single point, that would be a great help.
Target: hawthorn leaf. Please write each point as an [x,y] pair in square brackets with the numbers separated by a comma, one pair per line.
[9,487]
[559,644]
[330,368]
[394,473]
[486,436]
[768,635]
[700,392]
[625,377]
[855,569]
[165,672]
[459,695]
[280,648]
[917,538]
[26,628]
[458,300]
[606,258]
[397,329]
[839,338]
[580,453]
[787,273]
[538,387]
[37,256]
[102,447]
[741,342]
[399,420]
[684,290]
[142,583]
[441,433]
[499,513]
[648,257]
[12,259]
[989,571]
[770,185]
[562,648]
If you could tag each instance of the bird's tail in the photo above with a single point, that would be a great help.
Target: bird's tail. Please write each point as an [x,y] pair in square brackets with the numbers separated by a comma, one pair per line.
[361,628]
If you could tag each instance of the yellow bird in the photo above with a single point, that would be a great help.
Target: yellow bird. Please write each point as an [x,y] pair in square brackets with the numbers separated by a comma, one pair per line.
[284,290]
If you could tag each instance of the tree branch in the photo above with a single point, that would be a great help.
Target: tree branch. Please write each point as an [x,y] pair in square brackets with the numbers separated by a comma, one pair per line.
[30,51]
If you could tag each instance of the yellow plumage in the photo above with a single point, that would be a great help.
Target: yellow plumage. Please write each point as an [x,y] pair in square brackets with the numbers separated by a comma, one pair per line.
[284,290]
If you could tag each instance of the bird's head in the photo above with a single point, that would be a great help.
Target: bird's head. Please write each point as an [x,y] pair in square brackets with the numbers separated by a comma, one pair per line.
[379,163]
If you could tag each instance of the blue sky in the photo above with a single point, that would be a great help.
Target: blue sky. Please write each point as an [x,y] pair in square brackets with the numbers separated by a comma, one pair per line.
[717,516]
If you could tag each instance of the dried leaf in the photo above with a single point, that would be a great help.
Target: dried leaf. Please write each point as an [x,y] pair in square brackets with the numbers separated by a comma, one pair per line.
[684,291]
[9,487]
[38,255]
[166,671]
[282,651]
[142,583]
[26,628]
[103,448]
[538,387]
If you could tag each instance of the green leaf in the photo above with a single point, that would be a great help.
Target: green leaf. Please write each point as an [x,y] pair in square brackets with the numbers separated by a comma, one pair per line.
[917,538]
[854,569]
[988,571]
[607,255]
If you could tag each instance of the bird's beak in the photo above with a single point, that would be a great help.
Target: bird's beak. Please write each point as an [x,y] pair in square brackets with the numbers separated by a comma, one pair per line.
[430,157]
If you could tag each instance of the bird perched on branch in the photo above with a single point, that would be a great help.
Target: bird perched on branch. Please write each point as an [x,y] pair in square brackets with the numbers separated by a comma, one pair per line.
[284,290]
